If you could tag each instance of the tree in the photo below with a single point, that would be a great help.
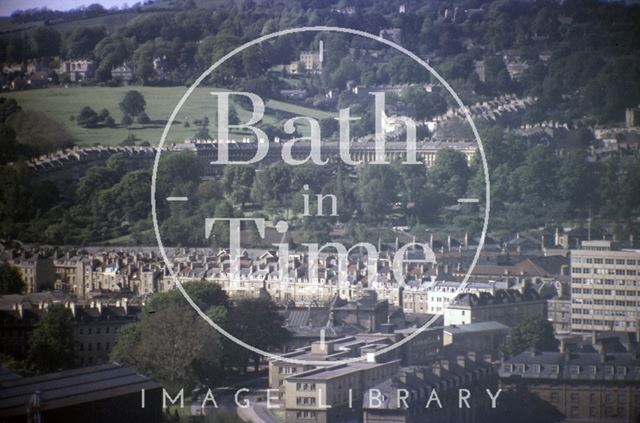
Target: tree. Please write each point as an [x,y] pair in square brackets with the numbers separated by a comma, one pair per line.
[175,169]
[88,118]
[8,146]
[8,106]
[103,115]
[202,133]
[133,103]
[171,342]
[450,173]
[51,345]
[272,185]
[420,104]
[237,182]
[94,180]
[143,118]
[257,322]
[376,192]
[253,62]
[126,120]
[10,280]
[532,333]
[167,344]
[81,41]
[46,41]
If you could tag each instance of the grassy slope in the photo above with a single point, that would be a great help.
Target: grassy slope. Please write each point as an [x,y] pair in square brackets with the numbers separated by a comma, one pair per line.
[110,22]
[61,103]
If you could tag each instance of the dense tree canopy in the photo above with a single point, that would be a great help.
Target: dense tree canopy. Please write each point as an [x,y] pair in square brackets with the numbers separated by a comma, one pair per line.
[531,334]
[10,280]
[51,346]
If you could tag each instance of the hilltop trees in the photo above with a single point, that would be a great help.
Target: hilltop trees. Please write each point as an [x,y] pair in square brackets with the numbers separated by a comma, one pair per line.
[46,42]
[82,40]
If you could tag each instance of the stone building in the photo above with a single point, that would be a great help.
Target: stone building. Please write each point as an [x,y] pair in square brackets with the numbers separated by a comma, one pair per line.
[593,387]
[404,396]
[507,306]
[78,70]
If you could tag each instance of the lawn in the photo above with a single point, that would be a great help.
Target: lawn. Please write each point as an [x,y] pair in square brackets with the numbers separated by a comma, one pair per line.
[61,103]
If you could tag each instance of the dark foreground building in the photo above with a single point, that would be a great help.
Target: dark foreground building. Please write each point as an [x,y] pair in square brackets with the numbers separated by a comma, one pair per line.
[108,393]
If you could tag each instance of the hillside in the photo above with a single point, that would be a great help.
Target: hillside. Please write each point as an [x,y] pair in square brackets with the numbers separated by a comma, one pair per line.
[62,103]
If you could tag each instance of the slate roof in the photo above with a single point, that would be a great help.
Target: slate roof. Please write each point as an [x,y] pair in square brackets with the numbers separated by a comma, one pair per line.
[501,296]
[72,387]
[623,367]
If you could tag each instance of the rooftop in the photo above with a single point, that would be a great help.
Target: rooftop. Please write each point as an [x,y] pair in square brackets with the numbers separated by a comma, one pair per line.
[72,387]
[476,328]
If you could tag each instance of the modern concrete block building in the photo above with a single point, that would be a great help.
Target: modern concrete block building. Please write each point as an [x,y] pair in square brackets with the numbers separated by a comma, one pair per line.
[605,288]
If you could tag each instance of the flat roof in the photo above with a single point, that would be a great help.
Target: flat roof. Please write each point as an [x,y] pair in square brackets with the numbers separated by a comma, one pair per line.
[72,387]
[327,373]
[476,327]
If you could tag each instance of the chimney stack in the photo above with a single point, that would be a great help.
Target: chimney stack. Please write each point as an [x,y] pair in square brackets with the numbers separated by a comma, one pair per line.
[435,369]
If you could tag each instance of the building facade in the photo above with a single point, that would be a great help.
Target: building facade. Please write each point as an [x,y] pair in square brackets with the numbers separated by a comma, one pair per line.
[507,306]
[585,387]
[605,288]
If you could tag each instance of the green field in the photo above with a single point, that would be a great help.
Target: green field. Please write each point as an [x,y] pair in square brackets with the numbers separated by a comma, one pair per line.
[61,103]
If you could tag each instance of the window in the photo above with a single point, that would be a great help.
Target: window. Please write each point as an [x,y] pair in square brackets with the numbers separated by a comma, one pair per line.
[574,411]
[306,414]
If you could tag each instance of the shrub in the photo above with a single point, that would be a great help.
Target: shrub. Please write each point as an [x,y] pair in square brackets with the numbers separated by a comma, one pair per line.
[126,120]
[143,118]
